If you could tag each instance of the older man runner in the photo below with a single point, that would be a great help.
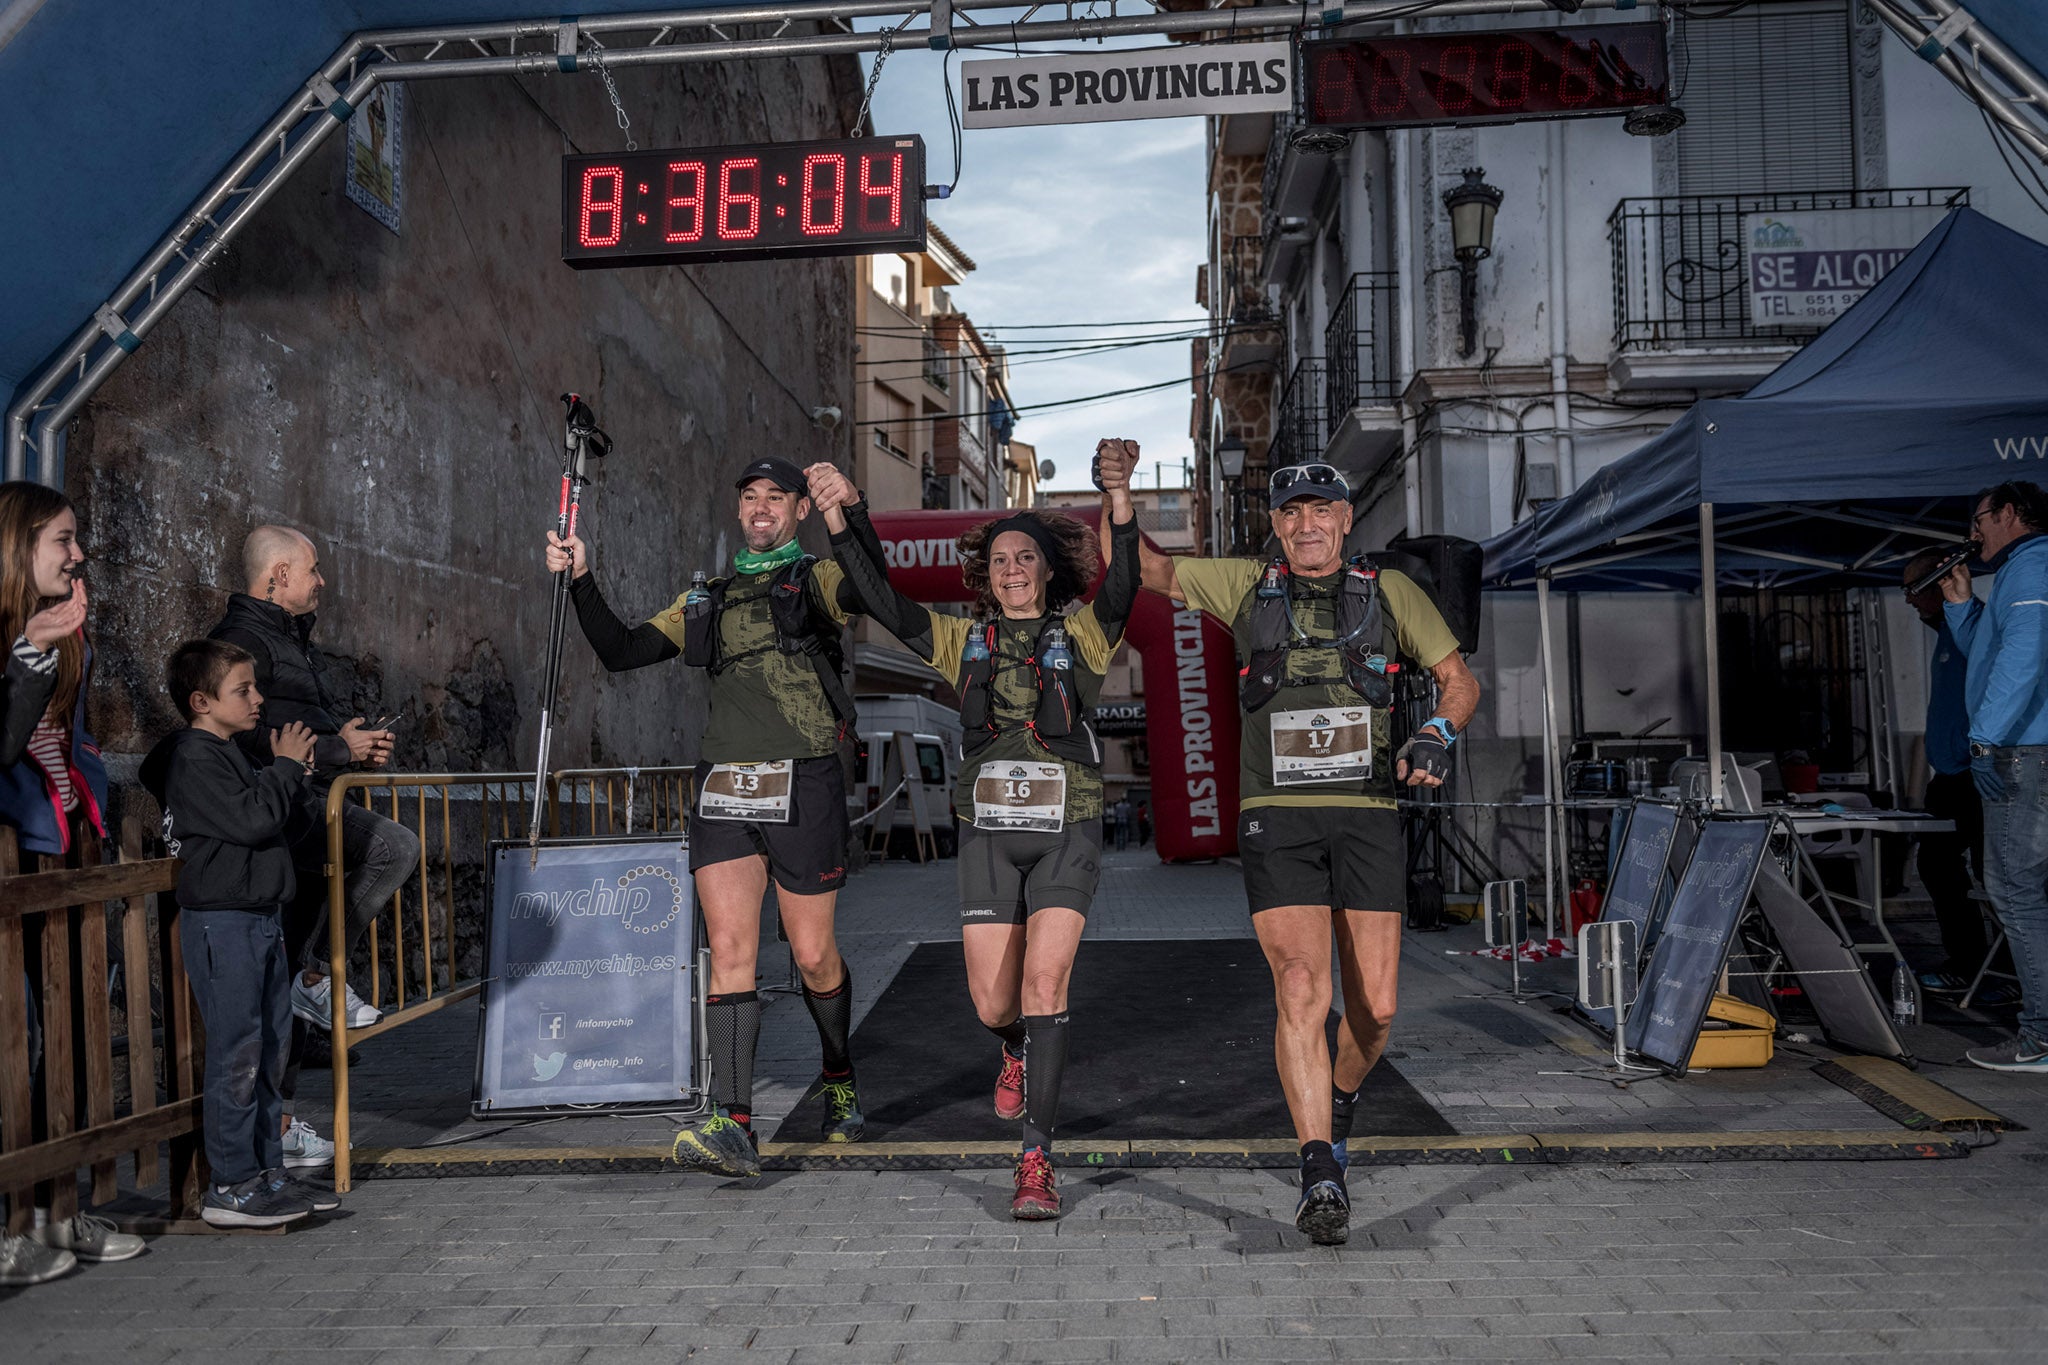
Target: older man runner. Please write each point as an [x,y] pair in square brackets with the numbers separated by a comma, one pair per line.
[1317,827]
[2006,689]
[771,794]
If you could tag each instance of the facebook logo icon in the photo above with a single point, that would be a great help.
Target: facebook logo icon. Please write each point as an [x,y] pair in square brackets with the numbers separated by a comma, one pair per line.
[552,1026]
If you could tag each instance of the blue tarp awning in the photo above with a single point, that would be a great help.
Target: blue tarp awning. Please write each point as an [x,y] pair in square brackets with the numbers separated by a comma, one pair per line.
[118,114]
[1861,449]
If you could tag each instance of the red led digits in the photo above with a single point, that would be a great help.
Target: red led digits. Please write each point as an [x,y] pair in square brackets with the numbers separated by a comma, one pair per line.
[891,193]
[610,208]
[824,195]
[1457,73]
[1335,88]
[1576,87]
[730,199]
[688,208]
[1389,93]
[1513,65]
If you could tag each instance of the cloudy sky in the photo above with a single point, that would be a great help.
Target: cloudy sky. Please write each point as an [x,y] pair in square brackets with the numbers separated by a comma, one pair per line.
[1083,224]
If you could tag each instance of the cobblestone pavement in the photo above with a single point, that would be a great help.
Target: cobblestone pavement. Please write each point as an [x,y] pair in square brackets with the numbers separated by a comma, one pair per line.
[1734,1261]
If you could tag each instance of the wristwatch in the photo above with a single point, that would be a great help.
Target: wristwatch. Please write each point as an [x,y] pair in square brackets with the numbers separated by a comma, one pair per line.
[1442,728]
[1979,750]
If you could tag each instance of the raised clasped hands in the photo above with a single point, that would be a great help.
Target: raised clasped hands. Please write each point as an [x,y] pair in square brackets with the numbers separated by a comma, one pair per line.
[1118,458]
[830,488]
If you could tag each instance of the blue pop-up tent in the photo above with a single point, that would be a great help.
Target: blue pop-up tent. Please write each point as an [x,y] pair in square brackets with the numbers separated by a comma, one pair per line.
[1864,448]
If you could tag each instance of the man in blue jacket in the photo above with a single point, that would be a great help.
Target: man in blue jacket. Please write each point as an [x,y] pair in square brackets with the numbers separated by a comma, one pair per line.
[2006,688]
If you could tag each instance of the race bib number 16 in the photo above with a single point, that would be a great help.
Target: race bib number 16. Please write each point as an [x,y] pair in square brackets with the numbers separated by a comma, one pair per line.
[1328,745]
[1012,795]
[758,792]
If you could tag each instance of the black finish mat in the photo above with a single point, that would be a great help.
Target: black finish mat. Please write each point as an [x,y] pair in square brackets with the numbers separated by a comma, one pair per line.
[1171,1039]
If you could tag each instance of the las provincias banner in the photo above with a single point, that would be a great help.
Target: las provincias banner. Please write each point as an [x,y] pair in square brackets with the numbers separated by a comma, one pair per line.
[1154,82]
[1191,717]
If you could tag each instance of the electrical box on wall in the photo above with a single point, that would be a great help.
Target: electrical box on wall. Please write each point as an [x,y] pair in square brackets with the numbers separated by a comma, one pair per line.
[1539,482]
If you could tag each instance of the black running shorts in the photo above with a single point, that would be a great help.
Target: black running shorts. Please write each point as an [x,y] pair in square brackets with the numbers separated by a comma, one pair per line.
[1345,857]
[807,855]
[1006,875]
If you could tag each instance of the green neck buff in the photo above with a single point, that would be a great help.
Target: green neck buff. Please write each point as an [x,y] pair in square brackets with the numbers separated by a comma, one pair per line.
[767,561]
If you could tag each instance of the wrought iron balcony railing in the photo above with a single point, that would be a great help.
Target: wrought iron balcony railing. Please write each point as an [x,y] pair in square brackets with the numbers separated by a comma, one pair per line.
[1681,271]
[1301,420]
[1358,347]
[938,369]
[1245,301]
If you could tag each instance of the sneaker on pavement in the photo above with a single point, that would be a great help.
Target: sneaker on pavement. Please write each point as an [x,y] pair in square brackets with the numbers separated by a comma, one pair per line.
[305,1149]
[718,1146]
[843,1120]
[25,1261]
[1010,1087]
[254,1203]
[2018,1053]
[1943,983]
[323,1200]
[90,1238]
[1324,1213]
[1036,1199]
[315,1003]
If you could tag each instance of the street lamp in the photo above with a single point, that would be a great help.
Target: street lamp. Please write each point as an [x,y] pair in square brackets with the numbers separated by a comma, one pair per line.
[1472,206]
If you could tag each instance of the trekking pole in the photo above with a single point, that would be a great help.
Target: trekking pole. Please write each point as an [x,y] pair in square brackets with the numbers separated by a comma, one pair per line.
[583,443]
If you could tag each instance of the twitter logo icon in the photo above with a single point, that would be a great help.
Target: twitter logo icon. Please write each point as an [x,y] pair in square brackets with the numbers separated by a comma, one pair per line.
[549,1067]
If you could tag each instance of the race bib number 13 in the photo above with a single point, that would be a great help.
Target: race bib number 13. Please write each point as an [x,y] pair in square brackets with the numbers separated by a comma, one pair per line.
[1012,795]
[758,792]
[1329,745]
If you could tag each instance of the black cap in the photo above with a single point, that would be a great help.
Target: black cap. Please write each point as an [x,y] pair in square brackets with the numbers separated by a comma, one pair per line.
[1317,480]
[779,472]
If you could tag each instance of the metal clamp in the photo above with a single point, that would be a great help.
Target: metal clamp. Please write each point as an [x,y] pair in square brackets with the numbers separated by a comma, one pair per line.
[1937,43]
[338,109]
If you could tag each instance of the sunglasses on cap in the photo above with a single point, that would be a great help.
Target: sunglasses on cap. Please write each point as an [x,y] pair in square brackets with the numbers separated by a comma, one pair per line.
[1314,473]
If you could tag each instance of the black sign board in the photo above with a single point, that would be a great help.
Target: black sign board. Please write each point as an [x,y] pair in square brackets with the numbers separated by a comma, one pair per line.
[1116,720]
[1830,971]
[1641,880]
[845,197]
[1392,80]
[1699,929]
[591,982]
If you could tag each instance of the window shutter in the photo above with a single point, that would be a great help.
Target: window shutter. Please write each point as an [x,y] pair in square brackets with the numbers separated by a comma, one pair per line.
[1767,101]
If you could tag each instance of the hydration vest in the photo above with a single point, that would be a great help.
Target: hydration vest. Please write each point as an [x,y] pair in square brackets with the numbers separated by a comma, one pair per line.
[1273,635]
[1058,722]
[798,630]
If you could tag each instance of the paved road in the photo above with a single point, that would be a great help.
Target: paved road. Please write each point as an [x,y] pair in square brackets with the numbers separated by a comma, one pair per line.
[1912,1260]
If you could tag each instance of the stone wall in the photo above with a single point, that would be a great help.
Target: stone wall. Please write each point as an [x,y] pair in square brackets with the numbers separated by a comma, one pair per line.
[395,397]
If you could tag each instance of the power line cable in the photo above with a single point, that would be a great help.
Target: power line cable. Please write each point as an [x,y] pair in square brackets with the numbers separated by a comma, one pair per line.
[1058,402]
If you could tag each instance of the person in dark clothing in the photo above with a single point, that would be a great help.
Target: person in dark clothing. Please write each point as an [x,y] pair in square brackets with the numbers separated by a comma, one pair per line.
[273,620]
[1946,860]
[1029,801]
[232,822]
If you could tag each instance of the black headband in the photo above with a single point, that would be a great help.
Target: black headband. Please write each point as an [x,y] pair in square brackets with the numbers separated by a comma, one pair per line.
[1031,526]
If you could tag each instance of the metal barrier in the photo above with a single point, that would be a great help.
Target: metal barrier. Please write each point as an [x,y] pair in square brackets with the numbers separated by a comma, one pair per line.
[665,792]
[50,1132]
[471,810]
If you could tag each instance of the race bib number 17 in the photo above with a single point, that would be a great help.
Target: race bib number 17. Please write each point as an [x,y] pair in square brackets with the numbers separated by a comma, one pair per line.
[1328,745]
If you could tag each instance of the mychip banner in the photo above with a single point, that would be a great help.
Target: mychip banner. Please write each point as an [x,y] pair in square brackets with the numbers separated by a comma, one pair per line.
[591,982]
[1151,82]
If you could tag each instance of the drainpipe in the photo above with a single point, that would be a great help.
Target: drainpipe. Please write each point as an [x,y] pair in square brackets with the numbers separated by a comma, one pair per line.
[1560,380]
[1401,156]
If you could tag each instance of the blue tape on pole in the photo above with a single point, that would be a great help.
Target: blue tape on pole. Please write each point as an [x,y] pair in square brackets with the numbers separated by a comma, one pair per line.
[1931,50]
[1624,4]
[340,111]
[1333,16]
[128,341]
[939,42]
[565,61]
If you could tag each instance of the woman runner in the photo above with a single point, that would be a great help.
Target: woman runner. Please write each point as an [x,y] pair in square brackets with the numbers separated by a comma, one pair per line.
[1029,799]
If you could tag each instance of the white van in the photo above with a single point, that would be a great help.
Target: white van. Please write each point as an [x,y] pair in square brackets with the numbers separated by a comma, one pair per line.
[935,740]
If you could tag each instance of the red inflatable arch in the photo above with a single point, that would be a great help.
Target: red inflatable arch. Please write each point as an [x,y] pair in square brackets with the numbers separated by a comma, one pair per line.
[1190,688]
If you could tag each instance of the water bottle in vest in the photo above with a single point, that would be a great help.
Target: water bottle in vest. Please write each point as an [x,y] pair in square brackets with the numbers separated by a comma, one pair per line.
[976,649]
[698,593]
[1057,656]
[1274,584]
[1903,1011]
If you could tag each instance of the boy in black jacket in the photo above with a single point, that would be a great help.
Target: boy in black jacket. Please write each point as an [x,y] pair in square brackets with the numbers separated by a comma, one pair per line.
[231,822]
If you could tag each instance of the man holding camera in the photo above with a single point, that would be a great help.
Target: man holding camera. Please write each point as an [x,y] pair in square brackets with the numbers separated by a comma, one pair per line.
[273,619]
[1318,831]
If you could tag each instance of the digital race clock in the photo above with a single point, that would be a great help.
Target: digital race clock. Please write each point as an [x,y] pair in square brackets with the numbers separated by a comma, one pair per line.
[1483,76]
[840,198]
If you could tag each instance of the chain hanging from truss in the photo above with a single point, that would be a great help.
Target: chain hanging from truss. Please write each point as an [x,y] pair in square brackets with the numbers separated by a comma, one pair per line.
[875,76]
[611,88]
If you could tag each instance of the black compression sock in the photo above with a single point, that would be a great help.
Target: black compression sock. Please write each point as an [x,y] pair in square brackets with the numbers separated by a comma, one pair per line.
[1012,1035]
[1045,1062]
[1343,1104]
[734,1022]
[832,1012]
[1319,1163]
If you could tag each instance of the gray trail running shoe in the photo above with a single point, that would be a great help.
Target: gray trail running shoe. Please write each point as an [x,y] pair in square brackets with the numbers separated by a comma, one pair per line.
[255,1203]
[25,1261]
[2018,1053]
[1324,1213]
[718,1145]
[322,1199]
[90,1238]
[843,1120]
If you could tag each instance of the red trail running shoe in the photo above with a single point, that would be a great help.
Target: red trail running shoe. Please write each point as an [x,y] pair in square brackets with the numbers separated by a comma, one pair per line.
[1036,1198]
[1010,1087]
